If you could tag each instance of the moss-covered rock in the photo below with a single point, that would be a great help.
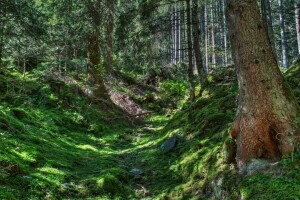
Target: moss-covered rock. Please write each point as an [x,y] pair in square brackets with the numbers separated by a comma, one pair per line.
[106,184]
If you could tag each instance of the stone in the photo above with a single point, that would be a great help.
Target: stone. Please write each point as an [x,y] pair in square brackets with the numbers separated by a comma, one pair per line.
[67,186]
[169,144]
[137,171]
[257,165]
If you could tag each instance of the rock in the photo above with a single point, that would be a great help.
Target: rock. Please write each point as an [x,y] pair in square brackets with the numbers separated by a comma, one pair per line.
[217,189]
[137,171]
[148,129]
[169,144]
[229,151]
[67,186]
[257,165]
[122,166]
[110,184]
[27,177]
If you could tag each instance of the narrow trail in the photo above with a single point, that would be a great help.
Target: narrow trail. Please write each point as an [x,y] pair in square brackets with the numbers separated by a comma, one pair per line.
[124,153]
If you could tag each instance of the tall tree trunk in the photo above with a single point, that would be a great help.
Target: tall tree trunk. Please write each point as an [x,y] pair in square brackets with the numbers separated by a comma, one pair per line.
[264,125]
[213,45]
[179,34]
[225,35]
[2,34]
[190,51]
[183,32]
[109,37]
[94,55]
[175,34]
[283,37]
[270,23]
[297,17]
[94,66]
[266,13]
[196,44]
[206,40]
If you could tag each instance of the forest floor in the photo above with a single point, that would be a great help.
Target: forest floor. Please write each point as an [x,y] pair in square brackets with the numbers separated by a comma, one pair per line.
[57,146]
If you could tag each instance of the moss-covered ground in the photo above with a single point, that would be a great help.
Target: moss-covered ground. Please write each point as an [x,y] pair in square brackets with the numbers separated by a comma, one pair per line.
[57,145]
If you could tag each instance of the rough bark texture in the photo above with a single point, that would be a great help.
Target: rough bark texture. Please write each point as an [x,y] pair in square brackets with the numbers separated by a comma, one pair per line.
[270,23]
[297,18]
[94,66]
[109,37]
[190,51]
[283,35]
[264,125]
[2,24]
[196,44]
[95,74]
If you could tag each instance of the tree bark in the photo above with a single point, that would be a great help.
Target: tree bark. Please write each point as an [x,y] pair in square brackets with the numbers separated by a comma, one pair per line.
[283,35]
[95,72]
[2,24]
[213,45]
[196,44]
[225,35]
[206,40]
[270,23]
[94,66]
[264,125]
[297,17]
[190,52]
[267,19]
[109,37]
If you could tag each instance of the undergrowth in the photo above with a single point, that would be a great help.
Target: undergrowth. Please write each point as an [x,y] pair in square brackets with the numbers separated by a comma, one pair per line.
[57,145]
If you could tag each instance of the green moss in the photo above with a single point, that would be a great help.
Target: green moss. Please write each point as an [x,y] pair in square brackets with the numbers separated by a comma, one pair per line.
[68,149]
[110,184]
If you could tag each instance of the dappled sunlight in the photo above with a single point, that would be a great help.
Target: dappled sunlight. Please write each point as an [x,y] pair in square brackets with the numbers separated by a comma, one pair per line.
[88,147]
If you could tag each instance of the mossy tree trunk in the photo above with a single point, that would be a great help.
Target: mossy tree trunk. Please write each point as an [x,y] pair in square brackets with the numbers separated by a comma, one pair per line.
[264,125]
[109,37]
[196,45]
[2,24]
[96,77]
[94,54]
[190,51]
[297,18]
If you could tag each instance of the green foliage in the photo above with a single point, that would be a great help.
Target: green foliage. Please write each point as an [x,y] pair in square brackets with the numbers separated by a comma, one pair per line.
[292,76]
[50,146]
[269,186]
[173,89]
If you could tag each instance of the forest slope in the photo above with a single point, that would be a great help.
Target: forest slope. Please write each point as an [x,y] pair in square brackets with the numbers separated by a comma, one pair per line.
[57,146]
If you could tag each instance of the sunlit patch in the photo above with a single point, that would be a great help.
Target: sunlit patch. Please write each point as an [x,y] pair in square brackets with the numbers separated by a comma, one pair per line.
[87,147]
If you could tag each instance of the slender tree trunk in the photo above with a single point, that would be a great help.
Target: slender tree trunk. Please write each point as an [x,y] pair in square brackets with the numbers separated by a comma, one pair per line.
[264,125]
[2,24]
[213,45]
[175,34]
[179,35]
[196,44]
[94,66]
[297,17]
[183,32]
[225,34]
[94,55]
[266,13]
[109,37]
[270,23]
[206,40]
[283,37]
[190,52]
